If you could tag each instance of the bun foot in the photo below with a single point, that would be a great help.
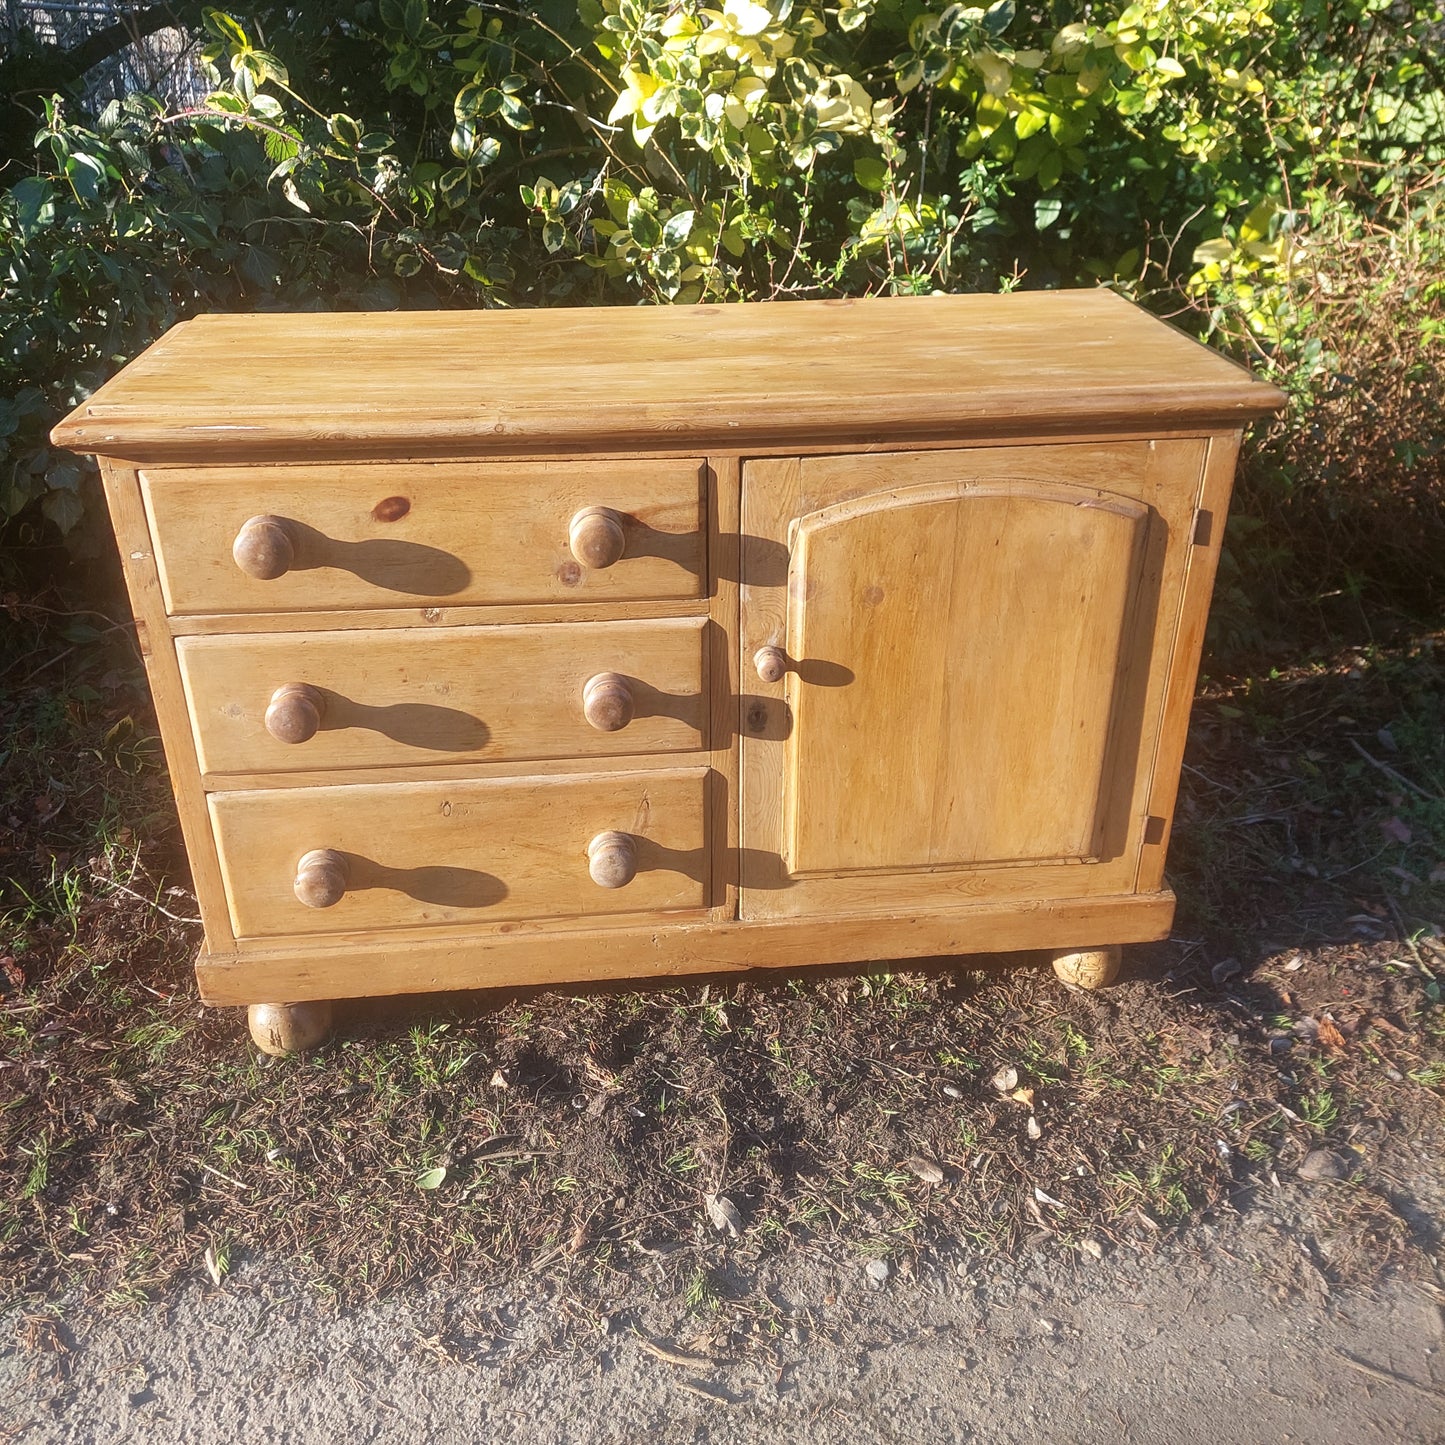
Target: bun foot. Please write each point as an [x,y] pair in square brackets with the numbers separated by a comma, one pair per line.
[1089,967]
[289,1028]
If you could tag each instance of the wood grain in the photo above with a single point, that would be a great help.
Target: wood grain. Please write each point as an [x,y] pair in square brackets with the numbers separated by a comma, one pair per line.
[430,854]
[481,532]
[902,668]
[665,948]
[127,513]
[1015,688]
[1216,484]
[458,694]
[956,651]
[763,375]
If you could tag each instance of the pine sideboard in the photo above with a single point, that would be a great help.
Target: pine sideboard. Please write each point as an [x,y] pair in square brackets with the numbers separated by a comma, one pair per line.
[517,647]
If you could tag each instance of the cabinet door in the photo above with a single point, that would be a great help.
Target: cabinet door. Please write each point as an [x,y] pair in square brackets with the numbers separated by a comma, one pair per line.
[975,645]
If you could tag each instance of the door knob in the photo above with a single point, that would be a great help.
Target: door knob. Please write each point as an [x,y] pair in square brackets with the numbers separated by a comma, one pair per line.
[264,548]
[597,537]
[294,713]
[612,860]
[771,663]
[321,878]
[607,702]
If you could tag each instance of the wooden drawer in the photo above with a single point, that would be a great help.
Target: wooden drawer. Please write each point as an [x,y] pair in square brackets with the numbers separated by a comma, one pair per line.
[458,694]
[419,534]
[472,852]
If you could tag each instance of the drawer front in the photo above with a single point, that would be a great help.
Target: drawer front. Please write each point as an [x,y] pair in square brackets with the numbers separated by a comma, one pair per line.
[319,700]
[309,538]
[406,855]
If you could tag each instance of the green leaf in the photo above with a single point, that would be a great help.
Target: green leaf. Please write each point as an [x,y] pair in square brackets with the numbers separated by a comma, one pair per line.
[431,1178]
[1047,211]
[344,130]
[64,508]
[456,185]
[1051,170]
[678,228]
[463,139]
[998,17]
[515,113]
[870,173]
[223,27]
[34,205]
[477,102]
[85,174]
[268,67]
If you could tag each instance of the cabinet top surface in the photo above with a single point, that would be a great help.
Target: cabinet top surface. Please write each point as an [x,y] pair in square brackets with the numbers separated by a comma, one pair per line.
[735,377]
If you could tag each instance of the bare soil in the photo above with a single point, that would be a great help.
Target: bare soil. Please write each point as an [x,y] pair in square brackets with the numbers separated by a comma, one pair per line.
[1207,1182]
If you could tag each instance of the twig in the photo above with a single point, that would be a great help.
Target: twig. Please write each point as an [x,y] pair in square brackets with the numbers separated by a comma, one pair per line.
[673,1357]
[705,1391]
[1389,1376]
[1400,778]
[140,897]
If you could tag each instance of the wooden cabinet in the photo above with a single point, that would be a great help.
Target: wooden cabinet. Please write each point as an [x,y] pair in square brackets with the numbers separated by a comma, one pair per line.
[714,638]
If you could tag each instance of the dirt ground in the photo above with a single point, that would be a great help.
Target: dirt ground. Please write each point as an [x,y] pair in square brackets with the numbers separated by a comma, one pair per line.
[1231,1335]
[1205,1204]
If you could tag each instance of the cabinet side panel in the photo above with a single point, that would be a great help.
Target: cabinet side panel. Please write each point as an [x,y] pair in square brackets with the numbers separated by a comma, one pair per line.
[1216,485]
[127,511]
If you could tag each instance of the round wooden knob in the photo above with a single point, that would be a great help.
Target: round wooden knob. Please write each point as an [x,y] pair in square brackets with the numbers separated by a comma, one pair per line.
[771,663]
[321,878]
[612,860]
[294,713]
[597,537]
[607,702]
[289,1028]
[263,548]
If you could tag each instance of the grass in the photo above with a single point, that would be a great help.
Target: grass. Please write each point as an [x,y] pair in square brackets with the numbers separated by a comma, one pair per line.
[143,1142]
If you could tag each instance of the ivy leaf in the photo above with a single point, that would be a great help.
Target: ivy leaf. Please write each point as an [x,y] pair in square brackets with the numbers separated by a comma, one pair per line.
[64,508]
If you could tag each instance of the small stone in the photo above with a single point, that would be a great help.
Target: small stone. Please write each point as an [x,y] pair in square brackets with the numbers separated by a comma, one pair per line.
[924,1169]
[953,1091]
[1091,1248]
[1035,1128]
[1226,968]
[877,1271]
[1322,1165]
[1006,1080]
